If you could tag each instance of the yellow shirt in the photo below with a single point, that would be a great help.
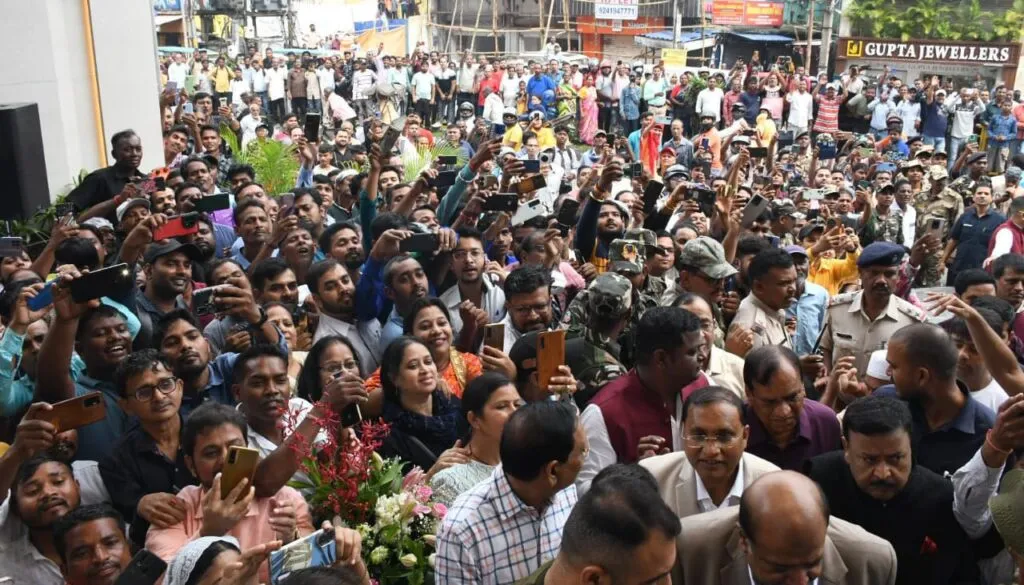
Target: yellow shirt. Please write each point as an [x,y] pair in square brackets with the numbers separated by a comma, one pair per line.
[221,78]
[546,138]
[832,273]
[514,137]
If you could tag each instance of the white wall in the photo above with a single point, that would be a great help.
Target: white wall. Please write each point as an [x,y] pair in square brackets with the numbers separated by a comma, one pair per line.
[43,42]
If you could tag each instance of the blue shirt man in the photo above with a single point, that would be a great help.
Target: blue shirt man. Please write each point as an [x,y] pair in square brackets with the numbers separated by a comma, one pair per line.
[538,84]
[810,306]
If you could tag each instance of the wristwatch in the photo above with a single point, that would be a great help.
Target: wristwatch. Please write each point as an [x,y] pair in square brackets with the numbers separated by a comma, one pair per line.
[263,318]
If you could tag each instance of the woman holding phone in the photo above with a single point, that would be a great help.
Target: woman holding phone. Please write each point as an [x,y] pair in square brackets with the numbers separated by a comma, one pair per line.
[426,421]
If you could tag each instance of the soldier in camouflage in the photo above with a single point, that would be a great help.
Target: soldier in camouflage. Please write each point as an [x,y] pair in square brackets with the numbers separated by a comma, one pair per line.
[626,259]
[938,203]
[653,286]
[885,223]
[594,357]
[976,164]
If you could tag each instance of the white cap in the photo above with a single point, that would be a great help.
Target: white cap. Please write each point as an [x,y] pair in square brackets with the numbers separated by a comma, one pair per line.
[134,202]
[878,365]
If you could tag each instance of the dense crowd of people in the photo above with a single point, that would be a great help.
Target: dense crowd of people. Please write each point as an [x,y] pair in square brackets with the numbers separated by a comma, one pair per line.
[753,388]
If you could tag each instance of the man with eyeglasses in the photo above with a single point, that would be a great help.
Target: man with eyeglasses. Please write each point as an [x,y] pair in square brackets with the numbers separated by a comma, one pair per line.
[703,270]
[147,467]
[713,469]
[472,285]
[528,302]
[785,427]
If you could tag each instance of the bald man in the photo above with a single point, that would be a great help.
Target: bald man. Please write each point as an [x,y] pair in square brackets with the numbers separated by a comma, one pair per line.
[781,533]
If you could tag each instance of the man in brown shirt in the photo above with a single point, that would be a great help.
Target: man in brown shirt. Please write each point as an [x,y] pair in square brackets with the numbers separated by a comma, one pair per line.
[297,88]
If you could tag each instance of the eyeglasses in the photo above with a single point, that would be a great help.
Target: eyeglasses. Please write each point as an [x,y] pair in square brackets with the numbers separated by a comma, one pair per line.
[336,368]
[526,310]
[462,254]
[165,386]
[700,441]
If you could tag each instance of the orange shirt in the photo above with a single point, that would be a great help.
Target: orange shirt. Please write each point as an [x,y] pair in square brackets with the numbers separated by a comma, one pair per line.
[714,145]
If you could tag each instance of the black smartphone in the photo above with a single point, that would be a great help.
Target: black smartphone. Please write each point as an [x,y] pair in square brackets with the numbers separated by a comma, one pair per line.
[211,203]
[498,130]
[312,128]
[447,159]
[202,301]
[705,144]
[387,143]
[445,179]
[104,282]
[502,202]
[863,184]
[652,192]
[62,209]
[758,152]
[706,200]
[636,169]
[567,212]
[351,415]
[144,569]
[420,243]
[813,214]
[286,200]
[531,166]
[564,188]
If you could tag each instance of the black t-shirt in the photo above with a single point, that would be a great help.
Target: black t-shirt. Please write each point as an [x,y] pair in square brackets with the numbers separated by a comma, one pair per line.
[101,185]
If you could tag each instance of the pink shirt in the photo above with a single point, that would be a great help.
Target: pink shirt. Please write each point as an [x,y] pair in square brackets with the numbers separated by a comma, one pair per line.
[252,530]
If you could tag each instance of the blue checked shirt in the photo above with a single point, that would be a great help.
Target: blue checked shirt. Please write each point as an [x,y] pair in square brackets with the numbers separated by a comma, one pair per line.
[490,537]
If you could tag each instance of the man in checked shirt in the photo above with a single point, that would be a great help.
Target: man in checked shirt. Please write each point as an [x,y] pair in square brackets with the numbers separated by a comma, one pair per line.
[510,524]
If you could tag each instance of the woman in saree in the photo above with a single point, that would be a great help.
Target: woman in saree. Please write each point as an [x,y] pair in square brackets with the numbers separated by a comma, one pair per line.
[566,97]
[588,110]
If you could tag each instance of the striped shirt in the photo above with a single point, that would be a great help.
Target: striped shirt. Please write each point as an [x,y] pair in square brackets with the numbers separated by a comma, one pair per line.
[490,537]
[828,115]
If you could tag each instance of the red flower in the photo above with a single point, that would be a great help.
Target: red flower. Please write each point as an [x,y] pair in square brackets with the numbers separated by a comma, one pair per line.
[928,546]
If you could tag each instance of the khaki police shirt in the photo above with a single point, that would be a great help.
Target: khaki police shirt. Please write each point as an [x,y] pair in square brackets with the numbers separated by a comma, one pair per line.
[848,331]
[768,325]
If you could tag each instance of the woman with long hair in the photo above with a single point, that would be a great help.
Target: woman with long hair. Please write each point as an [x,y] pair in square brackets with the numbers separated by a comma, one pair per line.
[426,421]
[588,110]
[429,321]
[332,360]
[487,403]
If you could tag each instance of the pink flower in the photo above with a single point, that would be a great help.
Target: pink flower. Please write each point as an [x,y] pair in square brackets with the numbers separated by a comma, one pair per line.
[414,478]
[440,510]
[421,510]
[423,493]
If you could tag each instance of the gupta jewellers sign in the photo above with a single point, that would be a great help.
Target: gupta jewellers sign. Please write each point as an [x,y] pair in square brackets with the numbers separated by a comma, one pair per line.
[936,51]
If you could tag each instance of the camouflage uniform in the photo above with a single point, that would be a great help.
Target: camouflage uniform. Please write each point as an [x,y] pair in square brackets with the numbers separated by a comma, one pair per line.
[964,186]
[883,229]
[948,205]
[592,365]
[625,256]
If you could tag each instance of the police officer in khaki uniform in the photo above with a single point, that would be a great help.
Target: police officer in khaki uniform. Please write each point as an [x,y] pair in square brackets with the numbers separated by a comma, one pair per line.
[861,322]
[938,203]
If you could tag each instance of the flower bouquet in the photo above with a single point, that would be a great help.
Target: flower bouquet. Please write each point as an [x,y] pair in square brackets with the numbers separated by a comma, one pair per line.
[350,484]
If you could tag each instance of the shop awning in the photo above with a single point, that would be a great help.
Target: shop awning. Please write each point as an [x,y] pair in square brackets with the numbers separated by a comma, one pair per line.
[162,19]
[688,39]
[762,38]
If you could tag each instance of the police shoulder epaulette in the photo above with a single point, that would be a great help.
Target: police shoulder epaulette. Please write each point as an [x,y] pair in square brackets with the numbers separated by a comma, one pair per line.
[842,299]
[910,310]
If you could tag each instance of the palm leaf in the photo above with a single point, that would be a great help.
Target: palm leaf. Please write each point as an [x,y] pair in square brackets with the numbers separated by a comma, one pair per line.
[426,157]
[275,163]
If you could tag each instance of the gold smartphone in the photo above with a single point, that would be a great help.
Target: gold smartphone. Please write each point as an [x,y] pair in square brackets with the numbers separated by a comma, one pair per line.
[494,336]
[241,464]
[550,355]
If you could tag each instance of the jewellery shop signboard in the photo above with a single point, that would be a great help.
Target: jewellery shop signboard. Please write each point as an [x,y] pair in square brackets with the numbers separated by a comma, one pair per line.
[928,51]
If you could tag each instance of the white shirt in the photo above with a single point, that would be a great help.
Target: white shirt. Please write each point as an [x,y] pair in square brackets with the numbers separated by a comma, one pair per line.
[510,90]
[365,337]
[493,301]
[362,84]
[511,334]
[709,102]
[326,77]
[494,108]
[466,77]
[801,109]
[238,87]
[991,396]
[276,79]
[258,77]
[248,125]
[1003,244]
[732,498]
[177,72]
[423,86]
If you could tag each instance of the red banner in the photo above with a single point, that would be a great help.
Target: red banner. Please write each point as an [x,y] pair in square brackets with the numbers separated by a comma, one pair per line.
[747,13]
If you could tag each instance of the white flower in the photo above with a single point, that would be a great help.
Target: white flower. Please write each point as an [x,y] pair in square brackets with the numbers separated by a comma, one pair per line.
[388,510]
[408,560]
[378,555]
[431,559]
[430,539]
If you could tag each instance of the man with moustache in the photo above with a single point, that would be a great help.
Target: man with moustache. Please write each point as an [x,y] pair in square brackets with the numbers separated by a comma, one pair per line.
[858,323]
[341,242]
[527,302]
[773,289]
[874,482]
[333,292]
[472,284]
[147,466]
[92,545]
[36,490]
